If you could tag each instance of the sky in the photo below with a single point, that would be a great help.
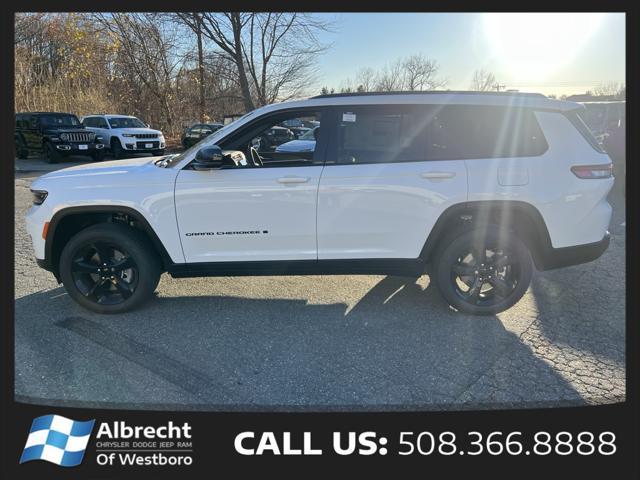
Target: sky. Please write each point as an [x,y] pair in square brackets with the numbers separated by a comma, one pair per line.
[550,53]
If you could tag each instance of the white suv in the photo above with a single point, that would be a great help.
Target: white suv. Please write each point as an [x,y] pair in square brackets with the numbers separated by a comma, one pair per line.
[472,188]
[125,134]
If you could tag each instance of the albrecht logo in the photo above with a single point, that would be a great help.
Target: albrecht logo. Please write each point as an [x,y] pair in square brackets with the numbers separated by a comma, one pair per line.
[57,440]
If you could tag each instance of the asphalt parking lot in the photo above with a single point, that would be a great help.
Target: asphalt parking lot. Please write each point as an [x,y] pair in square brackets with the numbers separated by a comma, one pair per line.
[321,342]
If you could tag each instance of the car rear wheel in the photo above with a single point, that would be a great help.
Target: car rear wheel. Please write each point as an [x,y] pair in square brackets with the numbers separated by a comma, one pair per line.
[21,150]
[483,271]
[109,268]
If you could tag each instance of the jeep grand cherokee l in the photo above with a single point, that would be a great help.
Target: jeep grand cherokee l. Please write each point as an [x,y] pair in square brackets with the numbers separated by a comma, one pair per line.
[476,189]
[124,135]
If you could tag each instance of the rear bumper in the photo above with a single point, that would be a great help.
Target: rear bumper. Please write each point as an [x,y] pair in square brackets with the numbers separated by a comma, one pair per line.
[567,256]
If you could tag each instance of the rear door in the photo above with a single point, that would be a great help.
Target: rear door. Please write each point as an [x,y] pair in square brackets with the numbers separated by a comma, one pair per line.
[380,194]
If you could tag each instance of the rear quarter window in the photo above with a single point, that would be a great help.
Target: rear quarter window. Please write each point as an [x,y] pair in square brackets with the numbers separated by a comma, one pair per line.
[576,120]
[469,132]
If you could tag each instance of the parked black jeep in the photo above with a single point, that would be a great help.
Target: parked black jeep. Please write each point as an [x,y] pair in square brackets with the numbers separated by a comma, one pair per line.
[55,135]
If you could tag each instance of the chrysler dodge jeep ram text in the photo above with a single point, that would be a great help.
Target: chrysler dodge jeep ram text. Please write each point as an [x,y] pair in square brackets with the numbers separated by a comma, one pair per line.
[473,189]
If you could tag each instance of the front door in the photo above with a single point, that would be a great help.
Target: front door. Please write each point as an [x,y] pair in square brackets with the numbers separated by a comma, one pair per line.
[263,209]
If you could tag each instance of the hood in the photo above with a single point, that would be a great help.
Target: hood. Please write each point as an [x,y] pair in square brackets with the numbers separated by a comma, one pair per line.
[67,130]
[136,131]
[101,173]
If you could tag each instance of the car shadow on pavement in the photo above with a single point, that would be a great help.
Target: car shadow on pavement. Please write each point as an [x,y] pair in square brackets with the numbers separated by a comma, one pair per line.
[399,347]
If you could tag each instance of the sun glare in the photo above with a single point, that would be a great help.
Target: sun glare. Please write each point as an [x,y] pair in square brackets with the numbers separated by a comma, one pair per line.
[532,46]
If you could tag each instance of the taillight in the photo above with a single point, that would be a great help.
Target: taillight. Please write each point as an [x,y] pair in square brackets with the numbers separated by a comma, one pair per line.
[593,171]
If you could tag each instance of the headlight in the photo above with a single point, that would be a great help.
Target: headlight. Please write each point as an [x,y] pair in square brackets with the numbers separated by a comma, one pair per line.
[128,134]
[64,137]
[39,196]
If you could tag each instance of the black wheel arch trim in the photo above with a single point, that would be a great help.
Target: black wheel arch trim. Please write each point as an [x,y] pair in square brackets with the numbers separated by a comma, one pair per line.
[528,219]
[50,265]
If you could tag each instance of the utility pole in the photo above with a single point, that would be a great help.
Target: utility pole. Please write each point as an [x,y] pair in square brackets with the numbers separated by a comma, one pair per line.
[498,86]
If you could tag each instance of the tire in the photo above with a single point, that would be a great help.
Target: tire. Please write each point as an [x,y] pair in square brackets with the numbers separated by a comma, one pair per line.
[100,289]
[116,149]
[483,287]
[98,156]
[51,155]
[22,152]
[158,153]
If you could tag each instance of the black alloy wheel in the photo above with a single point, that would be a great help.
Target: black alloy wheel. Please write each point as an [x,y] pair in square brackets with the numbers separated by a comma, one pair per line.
[110,268]
[483,271]
[104,273]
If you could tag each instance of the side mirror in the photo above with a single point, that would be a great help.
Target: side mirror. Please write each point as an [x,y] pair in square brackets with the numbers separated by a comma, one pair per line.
[208,158]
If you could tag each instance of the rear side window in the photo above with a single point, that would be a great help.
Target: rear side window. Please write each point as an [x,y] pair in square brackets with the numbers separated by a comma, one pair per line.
[385,134]
[468,132]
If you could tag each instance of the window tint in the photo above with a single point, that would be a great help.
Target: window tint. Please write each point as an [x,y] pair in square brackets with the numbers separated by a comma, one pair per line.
[381,135]
[467,132]
[275,143]
[417,133]
[89,122]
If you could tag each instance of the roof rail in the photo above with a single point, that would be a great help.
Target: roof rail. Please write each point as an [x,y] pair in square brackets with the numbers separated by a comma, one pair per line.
[430,92]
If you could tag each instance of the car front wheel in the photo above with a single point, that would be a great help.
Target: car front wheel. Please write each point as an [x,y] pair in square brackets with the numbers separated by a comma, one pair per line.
[109,268]
[51,155]
[483,271]
[116,149]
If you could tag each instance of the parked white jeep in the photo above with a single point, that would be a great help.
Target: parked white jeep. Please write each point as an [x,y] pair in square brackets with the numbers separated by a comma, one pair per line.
[474,188]
[124,134]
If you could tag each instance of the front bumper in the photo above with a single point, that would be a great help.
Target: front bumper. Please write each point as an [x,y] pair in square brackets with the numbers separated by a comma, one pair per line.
[79,148]
[567,256]
[143,145]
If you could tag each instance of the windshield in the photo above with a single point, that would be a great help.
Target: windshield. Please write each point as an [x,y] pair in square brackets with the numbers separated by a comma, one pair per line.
[210,140]
[59,121]
[126,122]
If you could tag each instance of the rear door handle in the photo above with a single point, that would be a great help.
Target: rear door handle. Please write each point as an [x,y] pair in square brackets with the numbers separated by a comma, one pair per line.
[293,179]
[438,175]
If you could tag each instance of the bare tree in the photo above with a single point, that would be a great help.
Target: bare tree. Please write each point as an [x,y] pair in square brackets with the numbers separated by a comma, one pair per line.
[146,57]
[615,89]
[482,81]
[390,77]
[420,73]
[273,52]
[366,79]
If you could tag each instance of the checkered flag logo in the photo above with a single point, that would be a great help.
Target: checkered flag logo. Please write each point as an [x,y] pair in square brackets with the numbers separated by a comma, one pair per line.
[57,440]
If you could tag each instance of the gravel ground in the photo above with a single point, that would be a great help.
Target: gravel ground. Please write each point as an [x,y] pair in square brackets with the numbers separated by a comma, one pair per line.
[322,342]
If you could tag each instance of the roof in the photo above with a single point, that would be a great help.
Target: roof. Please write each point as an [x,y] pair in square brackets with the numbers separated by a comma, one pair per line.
[430,92]
[45,113]
[108,115]
[507,99]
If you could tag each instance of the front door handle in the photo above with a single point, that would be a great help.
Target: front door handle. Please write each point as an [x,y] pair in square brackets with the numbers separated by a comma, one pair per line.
[438,175]
[293,179]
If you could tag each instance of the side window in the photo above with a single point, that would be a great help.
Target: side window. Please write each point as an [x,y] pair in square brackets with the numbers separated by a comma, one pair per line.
[468,132]
[101,123]
[89,122]
[276,145]
[385,134]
